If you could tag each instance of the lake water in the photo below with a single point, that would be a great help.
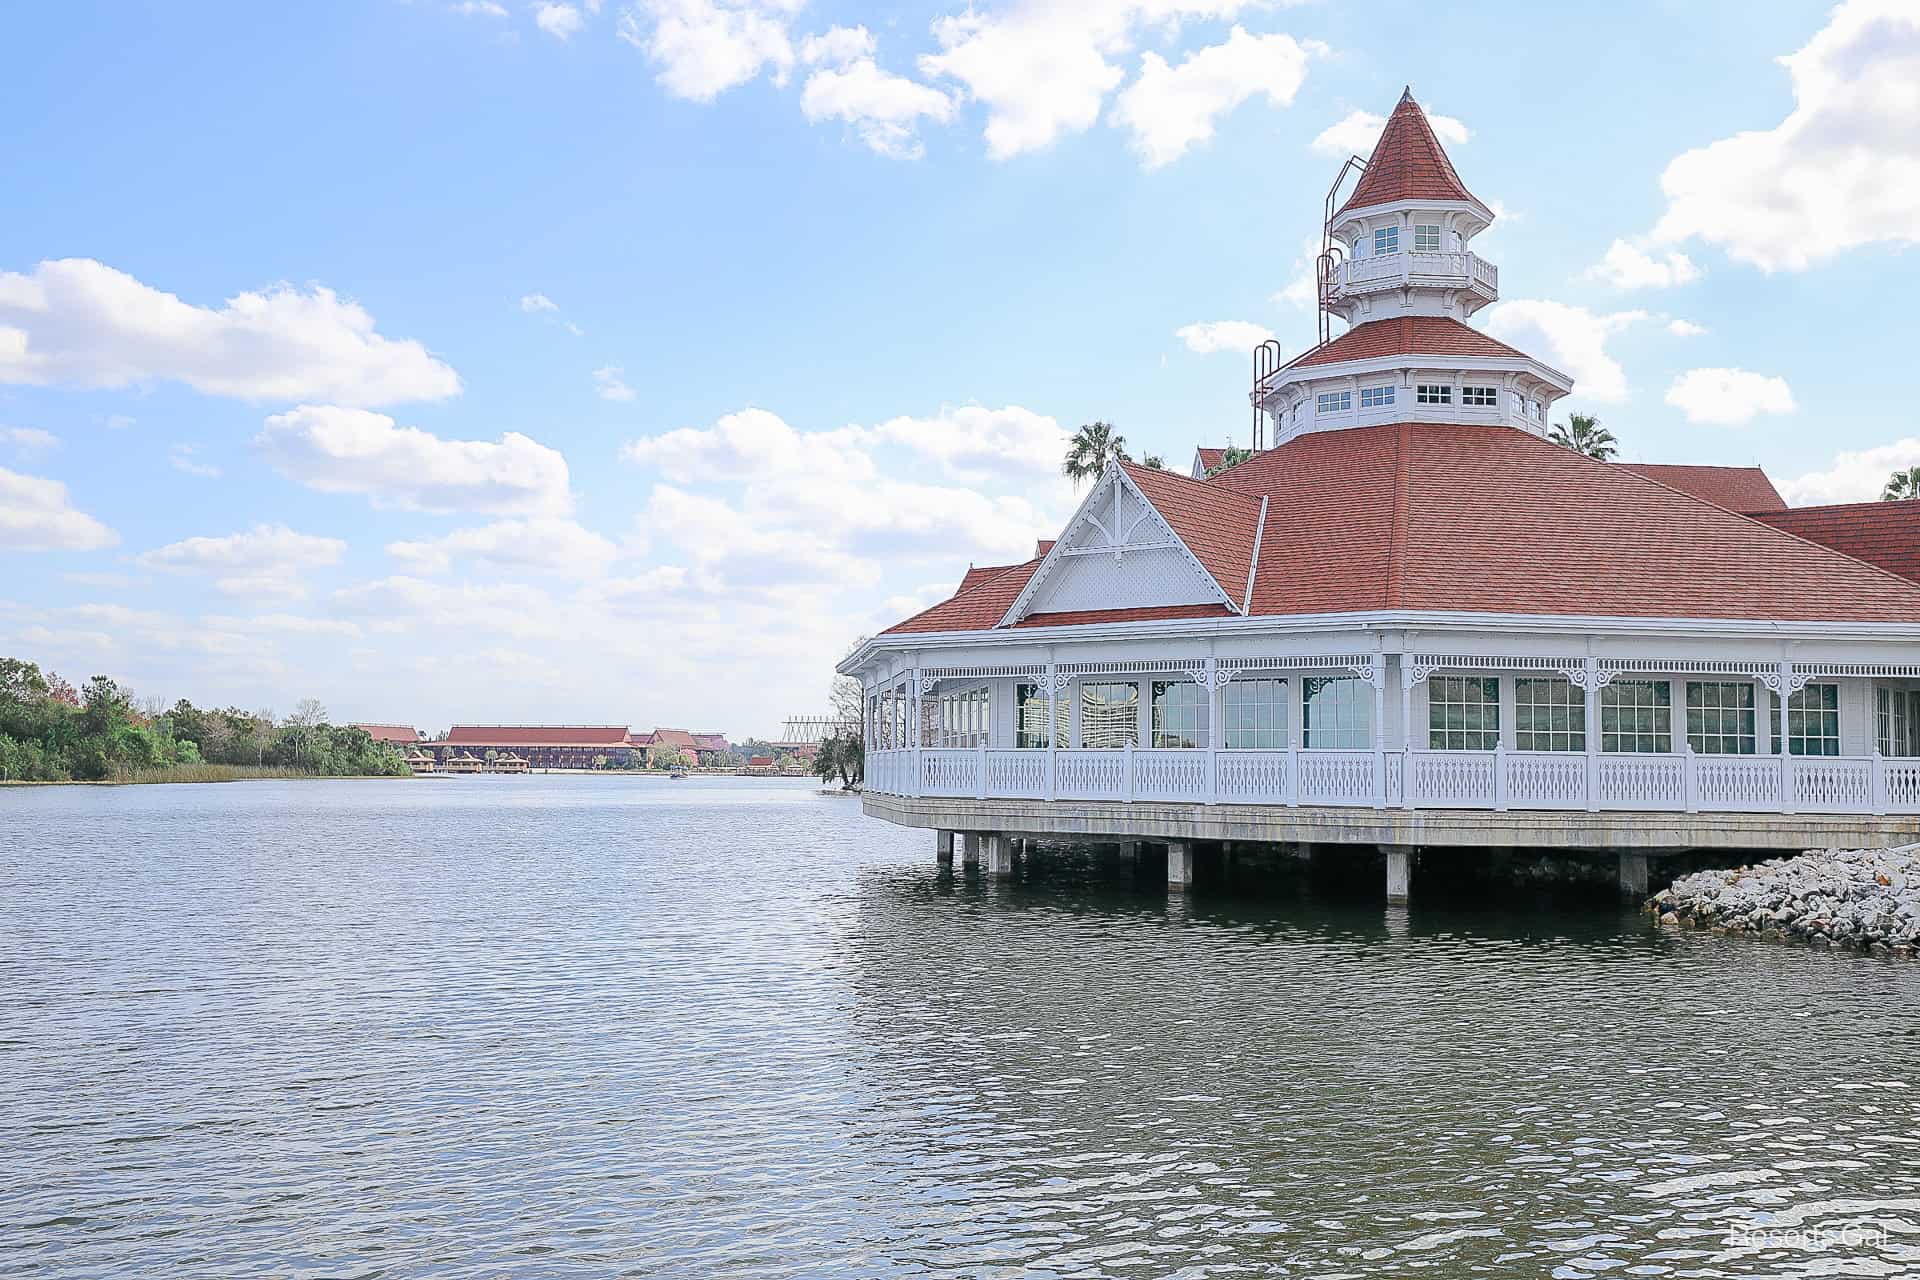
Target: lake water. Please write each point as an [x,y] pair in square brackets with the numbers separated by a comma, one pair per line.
[539,1027]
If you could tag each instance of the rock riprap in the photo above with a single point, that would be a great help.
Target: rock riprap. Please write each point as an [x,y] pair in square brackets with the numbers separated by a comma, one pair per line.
[1865,898]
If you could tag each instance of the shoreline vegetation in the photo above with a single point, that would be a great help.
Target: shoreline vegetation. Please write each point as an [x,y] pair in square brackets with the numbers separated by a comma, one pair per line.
[51,731]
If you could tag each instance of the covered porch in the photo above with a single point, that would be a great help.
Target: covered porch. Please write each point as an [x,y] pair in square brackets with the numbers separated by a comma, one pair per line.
[1410,731]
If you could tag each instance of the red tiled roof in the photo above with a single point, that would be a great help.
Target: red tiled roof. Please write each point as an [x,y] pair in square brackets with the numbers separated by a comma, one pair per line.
[390,732]
[1408,163]
[1218,525]
[1436,516]
[973,608]
[978,574]
[537,735]
[1886,534]
[674,738]
[1406,336]
[1743,489]
[711,742]
[1210,458]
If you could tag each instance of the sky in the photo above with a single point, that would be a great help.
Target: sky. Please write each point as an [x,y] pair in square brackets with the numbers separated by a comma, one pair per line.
[463,360]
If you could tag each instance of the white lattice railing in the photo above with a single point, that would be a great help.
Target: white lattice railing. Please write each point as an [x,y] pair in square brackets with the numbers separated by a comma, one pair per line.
[1493,780]
[1388,269]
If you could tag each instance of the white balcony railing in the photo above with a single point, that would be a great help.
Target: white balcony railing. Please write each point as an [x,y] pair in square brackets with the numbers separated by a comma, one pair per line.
[1492,780]
[1392,270]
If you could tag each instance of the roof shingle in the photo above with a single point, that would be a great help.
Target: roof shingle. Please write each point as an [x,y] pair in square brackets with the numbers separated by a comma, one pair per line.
[1408,163]
[1743,489]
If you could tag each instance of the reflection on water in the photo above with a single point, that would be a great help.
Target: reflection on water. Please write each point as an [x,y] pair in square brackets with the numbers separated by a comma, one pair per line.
[570,1027]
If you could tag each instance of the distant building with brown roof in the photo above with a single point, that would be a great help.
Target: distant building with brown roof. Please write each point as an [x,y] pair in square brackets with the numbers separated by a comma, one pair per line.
[541,746]
[398,733]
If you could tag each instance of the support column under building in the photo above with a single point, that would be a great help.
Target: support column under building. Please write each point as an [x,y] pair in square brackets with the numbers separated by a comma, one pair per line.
[969,849]
[1399,875]
[943,847]
[1633,877]
[1179,865]
[999,855]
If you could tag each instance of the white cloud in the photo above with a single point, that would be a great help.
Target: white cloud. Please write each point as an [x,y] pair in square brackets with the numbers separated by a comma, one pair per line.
[837,47]
[80,322]
[510,609]
[883,108]
[1685,328]
[1728,397]
[1043,67]
[533,303]
[339,450]
[1239,336]
[36,515]
[284,624]
[478,8]
[974,443]
[26,441]
[1170,108]
[1303,289]
[705,47]
[181,458]
[545,545]
[611,383]
[1355,134]
[1626,267]
[1854,477]
[1842,170]
[1568,338]
[266,560]
[561,21]
[117,422]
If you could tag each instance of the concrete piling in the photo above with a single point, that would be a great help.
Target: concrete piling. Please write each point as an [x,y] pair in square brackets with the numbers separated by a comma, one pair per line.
[1399,876]
[943,847]
[1179,865]
[1633,877]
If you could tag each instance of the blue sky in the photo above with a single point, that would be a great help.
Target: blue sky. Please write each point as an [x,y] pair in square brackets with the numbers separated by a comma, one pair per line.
[626,361]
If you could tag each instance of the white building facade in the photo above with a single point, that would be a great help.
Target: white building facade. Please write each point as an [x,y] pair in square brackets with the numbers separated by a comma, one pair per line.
[1412,603]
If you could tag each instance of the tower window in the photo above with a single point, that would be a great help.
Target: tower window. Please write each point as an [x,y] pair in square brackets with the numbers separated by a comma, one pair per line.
[1479,397]
[1386,240]
[1335,401]
[1432,393]
[1376,397]
[1426,239]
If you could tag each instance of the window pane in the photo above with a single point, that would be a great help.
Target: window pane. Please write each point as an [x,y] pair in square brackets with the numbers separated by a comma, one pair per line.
[1720,717]
[1636,715]
[1549,714]
[1109,715]
[1463,713]
[1257,715]
[1179,714]
[1337,712]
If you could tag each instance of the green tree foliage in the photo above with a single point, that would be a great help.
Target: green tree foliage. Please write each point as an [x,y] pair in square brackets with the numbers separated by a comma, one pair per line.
[1902,485]
[840,756]
[51,732]
[1232,456]
[1583,433]
[1093,446]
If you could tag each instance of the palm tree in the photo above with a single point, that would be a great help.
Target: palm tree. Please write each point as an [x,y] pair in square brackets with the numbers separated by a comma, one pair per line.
[1094,445]
[1232,456]
[1154,462]
[1902,485]
[1585,435]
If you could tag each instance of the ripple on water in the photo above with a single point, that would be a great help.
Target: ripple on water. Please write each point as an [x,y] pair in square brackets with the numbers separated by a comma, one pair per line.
[583,1027]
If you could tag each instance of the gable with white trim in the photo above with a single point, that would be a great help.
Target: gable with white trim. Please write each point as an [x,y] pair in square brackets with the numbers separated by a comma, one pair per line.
[1117,553]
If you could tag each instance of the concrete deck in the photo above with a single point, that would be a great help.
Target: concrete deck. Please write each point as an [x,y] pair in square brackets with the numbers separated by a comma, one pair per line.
[1432,829]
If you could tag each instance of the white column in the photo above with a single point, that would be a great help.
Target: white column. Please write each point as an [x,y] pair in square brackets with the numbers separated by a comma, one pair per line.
[1786,757]
[1379,730]
[1399,875]
[1179,865]
[999,855]
[1053,746]
[1406,731]
[1593,733]
[1216,727]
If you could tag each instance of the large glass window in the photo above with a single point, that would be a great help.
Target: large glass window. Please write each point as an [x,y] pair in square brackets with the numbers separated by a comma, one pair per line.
[1897,721]
[1109,715]
[1479,397]
[1433,393]
[1179,714]
[1376,397]
[963,718]
[1549,714]
[1334,401]
[1386,240]
[1426,238]
[1336,712]
[1463,713]
[1813,721]
[1636,715]
[1257,715]
[1720,718]
[1038,721]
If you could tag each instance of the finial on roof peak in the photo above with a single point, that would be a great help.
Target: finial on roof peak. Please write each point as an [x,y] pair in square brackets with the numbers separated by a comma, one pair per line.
[1406,94]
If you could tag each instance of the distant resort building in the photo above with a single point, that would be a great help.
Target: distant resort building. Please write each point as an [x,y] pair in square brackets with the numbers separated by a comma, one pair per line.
[1411,620]
[398,734]
[420,762]
[703,747]
[557,746]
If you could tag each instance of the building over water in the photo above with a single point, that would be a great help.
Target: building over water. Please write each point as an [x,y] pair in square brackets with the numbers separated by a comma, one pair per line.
[1409,619]
[539,746]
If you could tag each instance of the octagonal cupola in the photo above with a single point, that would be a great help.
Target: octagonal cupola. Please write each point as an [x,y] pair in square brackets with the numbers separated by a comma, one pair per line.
[1399,244]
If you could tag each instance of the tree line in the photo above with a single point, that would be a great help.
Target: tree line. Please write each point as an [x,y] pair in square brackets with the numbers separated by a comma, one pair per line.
[51,731]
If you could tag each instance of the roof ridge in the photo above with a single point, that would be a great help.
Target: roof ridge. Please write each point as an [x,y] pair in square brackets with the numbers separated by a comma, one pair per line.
[1202,485]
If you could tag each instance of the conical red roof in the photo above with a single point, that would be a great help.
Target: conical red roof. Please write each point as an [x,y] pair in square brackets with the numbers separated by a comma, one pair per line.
[1407,163]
